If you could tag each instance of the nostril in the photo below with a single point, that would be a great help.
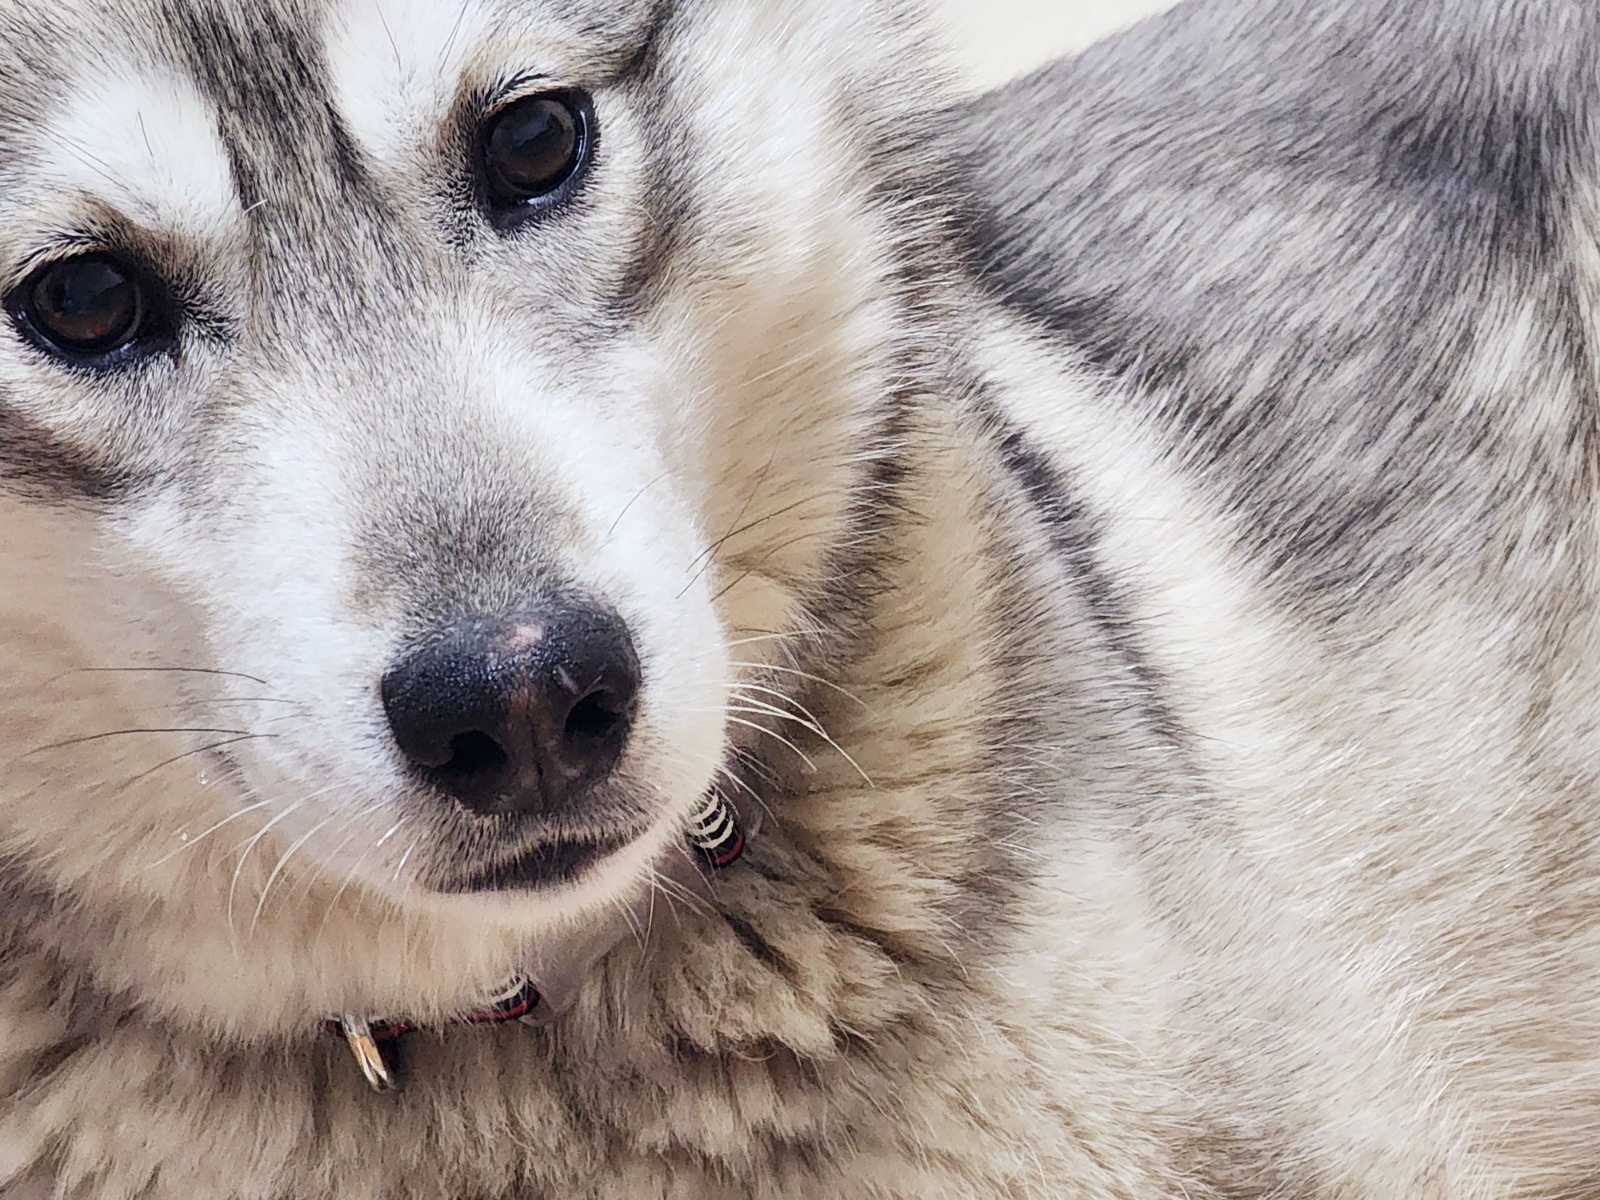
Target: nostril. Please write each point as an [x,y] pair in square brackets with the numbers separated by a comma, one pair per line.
[474,753]
[597,716]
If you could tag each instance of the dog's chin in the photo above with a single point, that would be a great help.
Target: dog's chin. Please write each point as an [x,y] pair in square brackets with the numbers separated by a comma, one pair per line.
[547,865]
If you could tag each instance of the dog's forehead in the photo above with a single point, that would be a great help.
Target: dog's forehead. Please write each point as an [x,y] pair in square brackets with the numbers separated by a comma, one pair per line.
[99,118]
[249,43]
[180,113]
[395,65]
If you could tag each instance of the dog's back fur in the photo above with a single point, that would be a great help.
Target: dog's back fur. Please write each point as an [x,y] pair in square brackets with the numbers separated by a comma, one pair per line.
[1337,267]
[1154,504]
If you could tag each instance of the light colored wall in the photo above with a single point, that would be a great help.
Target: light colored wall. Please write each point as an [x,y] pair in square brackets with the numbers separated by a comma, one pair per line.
[1003,38]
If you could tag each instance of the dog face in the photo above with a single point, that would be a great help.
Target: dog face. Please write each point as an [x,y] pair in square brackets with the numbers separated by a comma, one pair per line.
[417,423]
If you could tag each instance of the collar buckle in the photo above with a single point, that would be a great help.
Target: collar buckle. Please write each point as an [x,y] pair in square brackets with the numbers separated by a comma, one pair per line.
[369,1052]
[716,832]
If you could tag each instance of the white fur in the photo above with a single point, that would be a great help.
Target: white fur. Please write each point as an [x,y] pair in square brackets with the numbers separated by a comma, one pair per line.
[141,142]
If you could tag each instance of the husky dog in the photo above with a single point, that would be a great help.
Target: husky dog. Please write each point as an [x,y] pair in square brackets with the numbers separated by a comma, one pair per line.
[1121,556]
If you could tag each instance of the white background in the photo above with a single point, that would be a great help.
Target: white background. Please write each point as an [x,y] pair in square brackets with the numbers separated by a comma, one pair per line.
[1000,38]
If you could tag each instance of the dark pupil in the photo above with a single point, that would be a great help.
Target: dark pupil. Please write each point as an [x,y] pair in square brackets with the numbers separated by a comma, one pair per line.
[86,305]
[532,147]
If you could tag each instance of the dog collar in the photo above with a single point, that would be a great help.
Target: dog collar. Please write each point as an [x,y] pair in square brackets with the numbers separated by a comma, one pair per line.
[715,834]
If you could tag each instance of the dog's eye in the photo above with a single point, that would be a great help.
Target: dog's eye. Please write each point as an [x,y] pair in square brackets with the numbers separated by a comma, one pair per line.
[92,309]
[534,149]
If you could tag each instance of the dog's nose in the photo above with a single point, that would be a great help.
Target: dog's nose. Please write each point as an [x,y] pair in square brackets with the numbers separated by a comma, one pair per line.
[521,714]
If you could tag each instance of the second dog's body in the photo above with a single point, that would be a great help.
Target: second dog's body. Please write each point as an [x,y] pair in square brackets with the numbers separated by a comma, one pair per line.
[1131,542]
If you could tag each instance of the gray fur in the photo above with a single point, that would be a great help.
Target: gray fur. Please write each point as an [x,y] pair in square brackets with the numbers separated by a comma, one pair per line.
[1293,227]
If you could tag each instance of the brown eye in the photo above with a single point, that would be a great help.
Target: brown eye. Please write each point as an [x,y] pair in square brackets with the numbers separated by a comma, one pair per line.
[533,148]
[90,309]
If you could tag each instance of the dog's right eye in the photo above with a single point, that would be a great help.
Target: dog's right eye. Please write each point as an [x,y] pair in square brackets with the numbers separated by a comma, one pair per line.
[93,310]
[533,151]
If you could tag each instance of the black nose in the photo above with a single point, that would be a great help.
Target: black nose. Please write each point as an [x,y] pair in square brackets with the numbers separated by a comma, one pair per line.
[521,714]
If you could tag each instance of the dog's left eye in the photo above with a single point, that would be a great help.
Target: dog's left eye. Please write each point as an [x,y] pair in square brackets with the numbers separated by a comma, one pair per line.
[533,150]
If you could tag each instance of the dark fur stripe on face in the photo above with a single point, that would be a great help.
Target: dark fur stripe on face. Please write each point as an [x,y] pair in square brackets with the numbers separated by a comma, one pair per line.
[667,203]
[297,169]
[268,81]
[38,465]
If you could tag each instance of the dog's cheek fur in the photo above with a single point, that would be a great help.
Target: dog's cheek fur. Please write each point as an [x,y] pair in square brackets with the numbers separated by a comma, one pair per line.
[776,288]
